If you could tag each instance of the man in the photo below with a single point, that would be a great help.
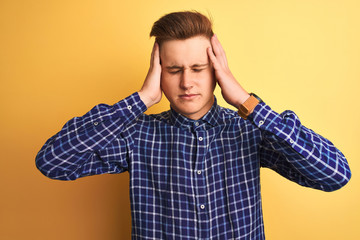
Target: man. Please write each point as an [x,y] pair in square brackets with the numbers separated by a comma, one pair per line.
[195,169]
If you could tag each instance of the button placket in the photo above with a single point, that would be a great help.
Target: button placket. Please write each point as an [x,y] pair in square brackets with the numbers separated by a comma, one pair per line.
[200,181]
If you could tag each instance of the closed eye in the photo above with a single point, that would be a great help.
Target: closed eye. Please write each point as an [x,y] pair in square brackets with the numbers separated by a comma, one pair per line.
[174,72]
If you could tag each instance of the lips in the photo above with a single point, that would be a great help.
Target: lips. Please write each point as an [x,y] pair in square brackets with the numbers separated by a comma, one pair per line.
[188,96]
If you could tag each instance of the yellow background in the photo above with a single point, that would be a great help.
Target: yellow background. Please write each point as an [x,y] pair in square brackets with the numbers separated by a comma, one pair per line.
[60,58]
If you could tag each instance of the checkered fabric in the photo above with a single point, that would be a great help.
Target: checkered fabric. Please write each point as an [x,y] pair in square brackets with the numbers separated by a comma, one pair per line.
[193,179]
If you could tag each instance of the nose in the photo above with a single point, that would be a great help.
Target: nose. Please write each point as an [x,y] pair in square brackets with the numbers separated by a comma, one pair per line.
[186,82]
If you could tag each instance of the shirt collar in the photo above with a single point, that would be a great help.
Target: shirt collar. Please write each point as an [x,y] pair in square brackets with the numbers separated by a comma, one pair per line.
[210,119]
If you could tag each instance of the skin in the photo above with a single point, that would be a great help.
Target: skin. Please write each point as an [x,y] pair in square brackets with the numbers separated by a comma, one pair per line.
[187,78]
[187,75]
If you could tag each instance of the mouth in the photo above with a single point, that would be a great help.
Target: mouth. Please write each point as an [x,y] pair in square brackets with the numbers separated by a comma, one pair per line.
[188,96]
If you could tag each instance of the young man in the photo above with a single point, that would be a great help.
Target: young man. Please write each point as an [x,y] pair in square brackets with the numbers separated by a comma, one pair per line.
[195,169]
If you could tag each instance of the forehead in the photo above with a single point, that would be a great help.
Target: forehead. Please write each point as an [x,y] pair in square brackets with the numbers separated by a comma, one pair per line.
[185,52]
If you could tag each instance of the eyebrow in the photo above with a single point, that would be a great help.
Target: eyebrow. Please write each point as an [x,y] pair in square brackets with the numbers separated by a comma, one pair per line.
[192,66]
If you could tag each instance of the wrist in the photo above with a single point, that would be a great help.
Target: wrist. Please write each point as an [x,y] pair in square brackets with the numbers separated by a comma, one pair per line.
[243,96]
[249,105]
[146,99]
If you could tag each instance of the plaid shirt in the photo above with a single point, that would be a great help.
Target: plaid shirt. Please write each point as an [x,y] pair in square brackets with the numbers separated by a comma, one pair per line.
[193,179]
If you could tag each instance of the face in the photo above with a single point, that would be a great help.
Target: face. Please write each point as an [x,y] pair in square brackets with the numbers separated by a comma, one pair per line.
[187,78]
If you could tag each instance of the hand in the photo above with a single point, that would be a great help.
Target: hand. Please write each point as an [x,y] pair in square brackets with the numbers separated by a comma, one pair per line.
[151,92]
[231,90]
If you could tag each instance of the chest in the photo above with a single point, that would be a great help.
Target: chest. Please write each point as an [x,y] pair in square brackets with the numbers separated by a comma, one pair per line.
[167,152]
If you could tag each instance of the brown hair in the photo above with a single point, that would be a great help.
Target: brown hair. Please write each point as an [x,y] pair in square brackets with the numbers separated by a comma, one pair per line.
[180,26]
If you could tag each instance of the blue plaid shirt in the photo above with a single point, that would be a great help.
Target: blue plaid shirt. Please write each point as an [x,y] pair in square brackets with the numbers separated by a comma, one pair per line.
[193,179]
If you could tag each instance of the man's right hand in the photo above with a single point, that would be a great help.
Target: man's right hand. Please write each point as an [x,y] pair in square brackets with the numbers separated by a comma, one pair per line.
[151,92]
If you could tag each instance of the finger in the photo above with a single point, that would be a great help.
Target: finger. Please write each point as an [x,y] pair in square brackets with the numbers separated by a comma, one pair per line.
[156,54]
[222,51]
[152,55]
[213,58]
[215,46]
[219,51]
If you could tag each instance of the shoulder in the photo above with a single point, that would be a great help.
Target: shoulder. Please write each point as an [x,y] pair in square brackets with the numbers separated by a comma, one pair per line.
[227,114]
[231,120]
[163,117]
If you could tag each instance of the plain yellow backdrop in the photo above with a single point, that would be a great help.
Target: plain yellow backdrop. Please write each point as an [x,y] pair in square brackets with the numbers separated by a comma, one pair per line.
[60,58]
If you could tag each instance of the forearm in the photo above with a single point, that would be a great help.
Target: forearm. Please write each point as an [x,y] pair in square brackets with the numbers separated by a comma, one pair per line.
[147,99]
[300,152]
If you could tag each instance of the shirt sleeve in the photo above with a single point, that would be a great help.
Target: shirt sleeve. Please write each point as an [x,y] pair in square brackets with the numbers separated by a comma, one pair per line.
[298,153]
[75,151]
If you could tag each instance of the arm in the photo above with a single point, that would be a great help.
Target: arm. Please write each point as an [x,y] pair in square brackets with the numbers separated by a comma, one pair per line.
[288,147]
[298,153]
[76,150]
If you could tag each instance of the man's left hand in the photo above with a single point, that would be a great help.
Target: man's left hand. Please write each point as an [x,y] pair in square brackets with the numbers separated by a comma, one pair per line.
[231,90]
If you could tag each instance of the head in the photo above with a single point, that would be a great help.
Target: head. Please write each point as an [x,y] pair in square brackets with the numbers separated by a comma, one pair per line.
[187,78]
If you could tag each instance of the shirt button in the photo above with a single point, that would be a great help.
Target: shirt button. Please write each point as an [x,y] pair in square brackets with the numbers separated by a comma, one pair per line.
[200,139]
[202,206]
[96,123]
[197,124]
[291,141]
[129,107]
[261,122]
[199,172]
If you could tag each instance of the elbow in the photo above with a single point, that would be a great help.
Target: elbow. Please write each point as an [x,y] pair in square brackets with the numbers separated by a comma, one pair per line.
[44,167]
[50,162]
[338,181]
[48,169]
[41,164]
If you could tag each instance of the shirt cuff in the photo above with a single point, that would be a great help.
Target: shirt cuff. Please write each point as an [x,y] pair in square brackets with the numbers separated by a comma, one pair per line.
[286,125]
[132,106]
[264,117]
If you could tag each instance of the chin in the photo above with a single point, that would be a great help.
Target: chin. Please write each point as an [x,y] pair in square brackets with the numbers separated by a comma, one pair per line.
[192,113]
[186,111]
